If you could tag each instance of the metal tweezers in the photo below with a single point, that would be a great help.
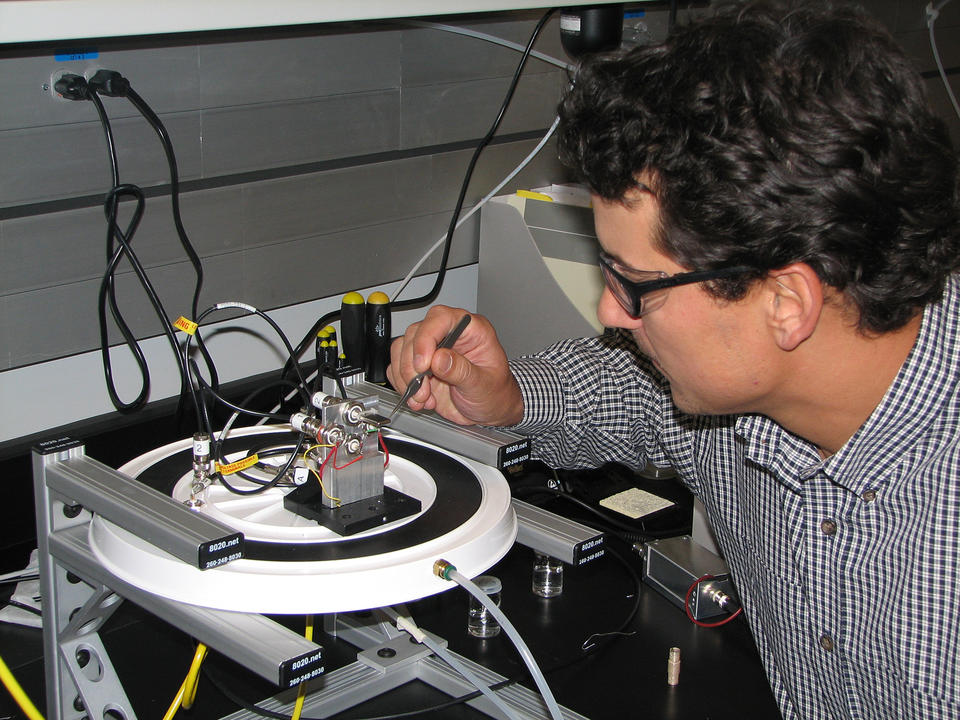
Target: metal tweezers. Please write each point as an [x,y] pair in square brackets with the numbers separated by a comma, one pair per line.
[448,342]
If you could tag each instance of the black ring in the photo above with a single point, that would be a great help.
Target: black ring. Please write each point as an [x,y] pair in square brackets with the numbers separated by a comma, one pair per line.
[458,499]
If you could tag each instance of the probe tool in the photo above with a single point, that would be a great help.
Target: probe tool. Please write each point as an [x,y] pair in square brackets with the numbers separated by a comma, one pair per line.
[447,343]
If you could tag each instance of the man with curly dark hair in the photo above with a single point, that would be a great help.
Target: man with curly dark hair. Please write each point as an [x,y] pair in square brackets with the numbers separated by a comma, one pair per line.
[779,225]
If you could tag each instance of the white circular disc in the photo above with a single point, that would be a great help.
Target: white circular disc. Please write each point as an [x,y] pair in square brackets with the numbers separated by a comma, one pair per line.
[300,587]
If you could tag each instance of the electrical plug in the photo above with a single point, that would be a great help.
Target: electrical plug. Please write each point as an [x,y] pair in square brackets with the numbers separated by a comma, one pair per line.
[109,83]
[71,87]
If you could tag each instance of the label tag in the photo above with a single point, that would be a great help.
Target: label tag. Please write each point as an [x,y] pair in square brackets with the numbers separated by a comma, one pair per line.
[514,454]
[68,54]
[55,445]
[300,475]
[220,551]
[300,669]
[188,326]
[235,467]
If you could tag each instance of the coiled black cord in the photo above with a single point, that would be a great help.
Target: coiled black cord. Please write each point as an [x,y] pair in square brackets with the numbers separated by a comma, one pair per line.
[118,245]
[113,84]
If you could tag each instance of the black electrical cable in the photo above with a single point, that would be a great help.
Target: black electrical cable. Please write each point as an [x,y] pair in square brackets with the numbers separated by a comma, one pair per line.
[431,295]
[672,17]
[107,289]
[268,386]
[250,309]
[209,390]
[107,292]
[269,452]
[281,473]
[154,121]
[113,84]
[216,445]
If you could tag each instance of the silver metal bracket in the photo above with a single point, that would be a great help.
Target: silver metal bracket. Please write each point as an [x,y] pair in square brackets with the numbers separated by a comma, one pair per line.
[546,532]
[368,678]
[79,595]
[195,538]
[501,449]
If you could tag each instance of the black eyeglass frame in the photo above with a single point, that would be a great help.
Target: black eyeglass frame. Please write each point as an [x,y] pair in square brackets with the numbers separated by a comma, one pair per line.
[635,290]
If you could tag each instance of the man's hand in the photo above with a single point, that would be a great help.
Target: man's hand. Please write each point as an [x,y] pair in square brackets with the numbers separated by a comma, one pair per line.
[471,383]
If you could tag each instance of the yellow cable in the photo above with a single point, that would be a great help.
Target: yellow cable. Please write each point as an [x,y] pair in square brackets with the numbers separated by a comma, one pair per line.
[188,688]
[13,687]
[320,479]
[193,677]
[302,688]
[175,705]
[324,489]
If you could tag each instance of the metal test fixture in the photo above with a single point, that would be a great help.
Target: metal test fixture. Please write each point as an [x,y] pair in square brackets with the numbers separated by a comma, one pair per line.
[158,533]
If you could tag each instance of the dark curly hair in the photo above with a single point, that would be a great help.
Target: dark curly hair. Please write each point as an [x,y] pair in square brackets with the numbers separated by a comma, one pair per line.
[779,132]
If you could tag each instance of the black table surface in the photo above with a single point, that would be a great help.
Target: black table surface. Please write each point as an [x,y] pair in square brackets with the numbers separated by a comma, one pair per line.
[720,676]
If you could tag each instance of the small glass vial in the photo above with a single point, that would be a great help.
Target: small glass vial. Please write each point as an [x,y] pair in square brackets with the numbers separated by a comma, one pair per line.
[547,576]
[480,622]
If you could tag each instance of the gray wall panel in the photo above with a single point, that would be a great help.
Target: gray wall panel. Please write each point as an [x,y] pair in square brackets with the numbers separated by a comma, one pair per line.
[69,311]
[274,135]
[52,162]
[304,206]
[46,250]
[434,114]
[340,262]
[6,337]
[278,69]
[496,162]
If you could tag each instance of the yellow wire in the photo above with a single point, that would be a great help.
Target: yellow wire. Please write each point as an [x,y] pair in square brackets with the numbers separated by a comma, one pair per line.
[193,677]
[13,687]
[319,479]
[175,705]
[322,488]
[302,688]
[188,688]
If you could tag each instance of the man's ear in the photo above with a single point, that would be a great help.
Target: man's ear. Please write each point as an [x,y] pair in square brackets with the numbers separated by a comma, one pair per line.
[796,304]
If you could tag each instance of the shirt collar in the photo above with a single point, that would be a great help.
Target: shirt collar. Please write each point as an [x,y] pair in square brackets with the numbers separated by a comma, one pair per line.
[912,402]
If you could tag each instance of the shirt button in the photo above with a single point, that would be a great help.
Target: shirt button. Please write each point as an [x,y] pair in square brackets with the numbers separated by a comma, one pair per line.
[869,495]
[826,642]
[828,527]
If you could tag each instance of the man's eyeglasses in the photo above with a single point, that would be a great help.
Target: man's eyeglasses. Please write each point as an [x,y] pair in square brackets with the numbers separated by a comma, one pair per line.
[646,290]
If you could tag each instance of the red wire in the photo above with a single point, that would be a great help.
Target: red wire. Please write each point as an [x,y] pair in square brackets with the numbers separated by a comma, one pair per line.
[341,467]
[332,454]
[686,606]
[328,458]
[386,453]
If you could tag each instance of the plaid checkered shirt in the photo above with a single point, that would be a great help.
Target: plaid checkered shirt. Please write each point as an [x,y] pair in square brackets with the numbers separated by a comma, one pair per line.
[848,569]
